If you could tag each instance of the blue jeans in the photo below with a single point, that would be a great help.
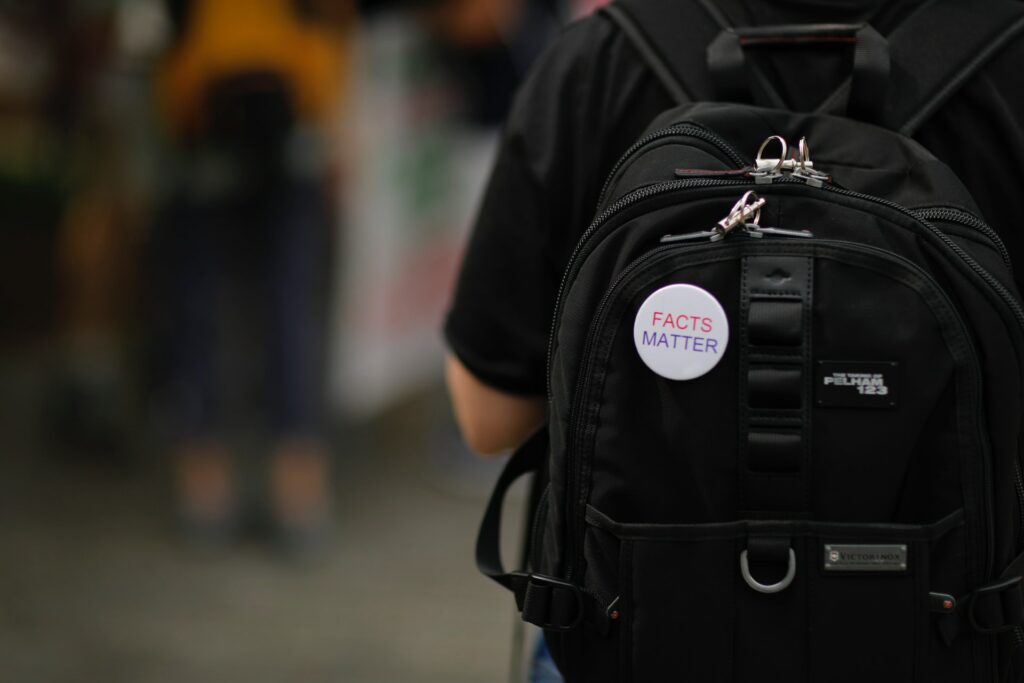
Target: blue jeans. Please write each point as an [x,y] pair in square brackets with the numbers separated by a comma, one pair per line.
[542,668]
[271,240]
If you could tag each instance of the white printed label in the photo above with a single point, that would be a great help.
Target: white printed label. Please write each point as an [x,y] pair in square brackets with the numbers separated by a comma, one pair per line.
[681,332]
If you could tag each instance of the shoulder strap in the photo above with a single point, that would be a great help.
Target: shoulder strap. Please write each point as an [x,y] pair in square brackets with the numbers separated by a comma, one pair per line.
[938,48]
[542,600]
[648,52]
[672,38]
[933,52]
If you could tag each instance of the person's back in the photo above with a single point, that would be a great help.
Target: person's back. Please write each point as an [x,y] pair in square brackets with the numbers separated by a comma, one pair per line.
[586,102]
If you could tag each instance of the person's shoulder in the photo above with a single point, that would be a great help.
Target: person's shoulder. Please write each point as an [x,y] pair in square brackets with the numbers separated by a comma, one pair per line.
[582,42]
[584,31]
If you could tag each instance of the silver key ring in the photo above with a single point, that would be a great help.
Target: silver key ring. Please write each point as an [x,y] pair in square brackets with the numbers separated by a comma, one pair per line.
[804,154]
[782,156]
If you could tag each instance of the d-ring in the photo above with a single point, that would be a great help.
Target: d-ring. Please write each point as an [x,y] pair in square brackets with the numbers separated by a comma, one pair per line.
[775,587]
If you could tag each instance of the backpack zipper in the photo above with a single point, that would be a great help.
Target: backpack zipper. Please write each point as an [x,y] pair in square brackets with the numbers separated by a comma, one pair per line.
[687,129]
[1019,481]
[540,519]
[1008,298]
[659,188]
[965,218]
[922,215]
[951,214]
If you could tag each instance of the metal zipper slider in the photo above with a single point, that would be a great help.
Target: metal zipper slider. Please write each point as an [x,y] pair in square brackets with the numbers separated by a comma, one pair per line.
[746,210]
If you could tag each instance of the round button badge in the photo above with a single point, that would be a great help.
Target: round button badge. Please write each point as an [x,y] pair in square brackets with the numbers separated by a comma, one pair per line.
[681,332]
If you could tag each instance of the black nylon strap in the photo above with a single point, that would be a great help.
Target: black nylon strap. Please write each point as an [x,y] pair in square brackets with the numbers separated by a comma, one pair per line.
[543,600]
[772,322]
[715,13]
[993,608]
[774,451]
[728,67]
[680,30]
[938,48]
[862,96]
[932,54]
[775,387]
[768,557]
[997,607]
[526,459]
[649,53]
[869,84]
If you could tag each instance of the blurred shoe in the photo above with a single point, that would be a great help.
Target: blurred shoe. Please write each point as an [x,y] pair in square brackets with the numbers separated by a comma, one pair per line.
[207,499]
[300,496]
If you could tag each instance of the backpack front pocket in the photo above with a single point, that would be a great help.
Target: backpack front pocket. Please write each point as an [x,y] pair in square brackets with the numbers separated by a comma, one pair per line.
[810,465]
[753,601]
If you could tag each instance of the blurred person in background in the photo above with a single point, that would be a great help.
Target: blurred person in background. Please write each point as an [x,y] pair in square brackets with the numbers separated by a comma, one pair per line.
[490,44]
[486,45]
[245,92]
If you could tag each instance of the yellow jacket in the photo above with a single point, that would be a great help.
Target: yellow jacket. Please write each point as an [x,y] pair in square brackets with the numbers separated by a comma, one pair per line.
[227,37]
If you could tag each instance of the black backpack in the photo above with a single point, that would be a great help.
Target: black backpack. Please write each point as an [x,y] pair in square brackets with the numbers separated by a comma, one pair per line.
[785,380]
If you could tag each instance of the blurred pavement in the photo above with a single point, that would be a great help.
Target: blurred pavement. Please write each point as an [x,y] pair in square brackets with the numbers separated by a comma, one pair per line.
[94,586]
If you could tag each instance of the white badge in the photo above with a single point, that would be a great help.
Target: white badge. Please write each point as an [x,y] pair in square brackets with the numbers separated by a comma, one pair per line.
[681,332]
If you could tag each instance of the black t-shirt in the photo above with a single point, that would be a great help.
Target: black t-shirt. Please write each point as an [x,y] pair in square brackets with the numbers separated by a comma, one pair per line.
[586,100]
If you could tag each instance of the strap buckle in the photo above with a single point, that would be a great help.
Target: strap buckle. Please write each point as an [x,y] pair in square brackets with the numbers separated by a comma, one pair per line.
[548,602]
[997,607]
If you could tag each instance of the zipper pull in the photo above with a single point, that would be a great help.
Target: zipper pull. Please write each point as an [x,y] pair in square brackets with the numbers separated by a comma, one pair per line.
[799,165]
[757,231]
[711,173]
[746,210]
[689,237]
[767,169]
[745,214]
[804,167]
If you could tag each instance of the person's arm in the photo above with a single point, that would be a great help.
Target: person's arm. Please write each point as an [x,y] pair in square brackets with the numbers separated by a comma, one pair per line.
[497,329]
[491,421]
